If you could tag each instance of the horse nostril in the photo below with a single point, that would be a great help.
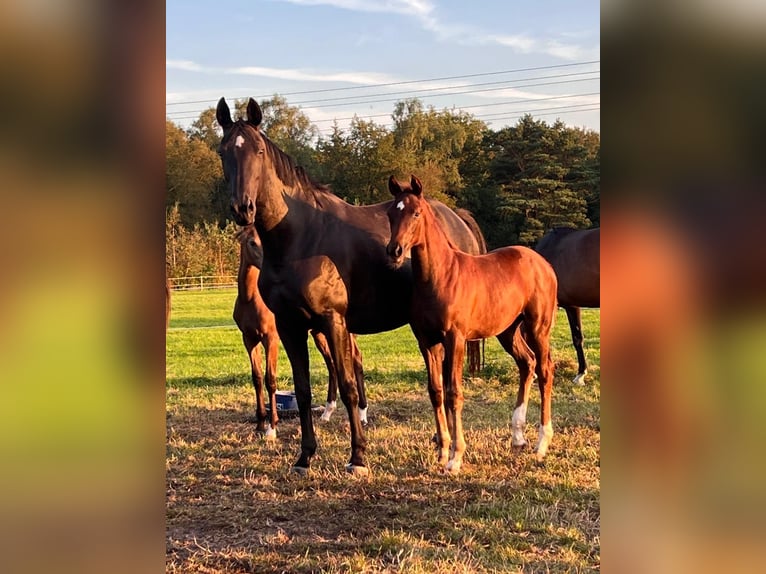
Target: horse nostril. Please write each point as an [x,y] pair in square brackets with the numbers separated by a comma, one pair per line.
[394,250]
[250,206]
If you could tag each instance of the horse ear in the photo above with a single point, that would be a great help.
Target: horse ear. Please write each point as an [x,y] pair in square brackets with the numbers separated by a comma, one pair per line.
[223,115]
[393,186]
[417,187]
[254,114]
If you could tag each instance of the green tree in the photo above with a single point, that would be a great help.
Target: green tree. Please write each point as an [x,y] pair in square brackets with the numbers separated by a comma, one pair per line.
[433,145]
[206,129]
[192,176]
[538,169]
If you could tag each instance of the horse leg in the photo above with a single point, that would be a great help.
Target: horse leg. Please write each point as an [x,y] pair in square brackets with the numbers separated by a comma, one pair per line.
[271,345]
[295,341]
[332,380]
[254,354]
[359,376]
[454,352]
[539,340]
[512,340]
[339,340]
[433,357]
[575,325]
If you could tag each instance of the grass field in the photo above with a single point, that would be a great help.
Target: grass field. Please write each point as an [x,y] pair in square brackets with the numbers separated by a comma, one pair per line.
[233,505]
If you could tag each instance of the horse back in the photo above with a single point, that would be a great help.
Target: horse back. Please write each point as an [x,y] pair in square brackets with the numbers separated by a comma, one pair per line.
[575,257]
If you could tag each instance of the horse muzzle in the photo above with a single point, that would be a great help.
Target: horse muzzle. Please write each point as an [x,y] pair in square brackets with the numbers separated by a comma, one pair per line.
[243,212]
[395,253]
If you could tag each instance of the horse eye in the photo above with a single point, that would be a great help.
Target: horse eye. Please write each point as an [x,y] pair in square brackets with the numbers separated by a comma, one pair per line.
[417,214]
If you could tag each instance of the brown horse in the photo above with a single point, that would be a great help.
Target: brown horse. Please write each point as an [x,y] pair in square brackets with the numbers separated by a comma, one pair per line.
[460,296]
[325,265]
[575,256]
[258,326]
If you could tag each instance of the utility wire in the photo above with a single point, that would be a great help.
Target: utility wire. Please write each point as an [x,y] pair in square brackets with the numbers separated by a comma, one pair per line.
[403,82]
[365,102]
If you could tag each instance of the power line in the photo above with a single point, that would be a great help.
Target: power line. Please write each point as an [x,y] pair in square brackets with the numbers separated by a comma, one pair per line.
[458,87]
[325,90]
[365,102]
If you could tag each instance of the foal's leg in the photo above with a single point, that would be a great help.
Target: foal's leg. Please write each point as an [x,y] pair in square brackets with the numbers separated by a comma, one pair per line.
[254,354]
[332,376]
[271,345]
[295,341]
[512,340]
[433,356]
[575,326]
[539,341]
[454,352]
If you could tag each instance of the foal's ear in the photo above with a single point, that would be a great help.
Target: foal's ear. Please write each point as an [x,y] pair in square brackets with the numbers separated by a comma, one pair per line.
[223,115]
[417,187]
[254,114]
[394,186]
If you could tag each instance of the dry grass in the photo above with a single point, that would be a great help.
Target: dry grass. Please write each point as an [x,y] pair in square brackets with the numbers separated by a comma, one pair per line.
[233,505]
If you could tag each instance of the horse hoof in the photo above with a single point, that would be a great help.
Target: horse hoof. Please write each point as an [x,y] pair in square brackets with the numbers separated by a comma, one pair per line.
[579,379]
[300,470]
[519,447]
[453,467]
[271,433]
[357,470]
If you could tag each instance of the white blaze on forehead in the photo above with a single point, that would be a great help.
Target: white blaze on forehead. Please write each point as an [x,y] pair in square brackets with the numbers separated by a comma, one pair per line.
[239,141]
[400,206]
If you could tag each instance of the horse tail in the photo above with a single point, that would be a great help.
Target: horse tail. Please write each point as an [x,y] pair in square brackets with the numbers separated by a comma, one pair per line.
[474,348]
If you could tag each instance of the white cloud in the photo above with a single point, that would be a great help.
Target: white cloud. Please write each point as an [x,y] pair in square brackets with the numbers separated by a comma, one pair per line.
[363,78]
[185,65]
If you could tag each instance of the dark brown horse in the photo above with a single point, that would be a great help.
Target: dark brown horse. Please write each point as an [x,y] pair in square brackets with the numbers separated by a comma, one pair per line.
[258,327]
[325,264]
[575,256]
[459,296]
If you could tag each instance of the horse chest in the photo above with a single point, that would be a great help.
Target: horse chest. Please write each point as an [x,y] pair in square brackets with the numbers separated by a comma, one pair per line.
[312,285]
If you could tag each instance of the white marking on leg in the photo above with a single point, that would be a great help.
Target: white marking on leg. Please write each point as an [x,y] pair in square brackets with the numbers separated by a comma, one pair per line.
[329,409]
[518,421]
[400,206]
[363,415]
[271,433]
[580,378]
[453,466]
[239,141]
[545,434]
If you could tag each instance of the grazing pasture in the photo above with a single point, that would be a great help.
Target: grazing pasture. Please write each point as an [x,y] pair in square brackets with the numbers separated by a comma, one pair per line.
[232,505]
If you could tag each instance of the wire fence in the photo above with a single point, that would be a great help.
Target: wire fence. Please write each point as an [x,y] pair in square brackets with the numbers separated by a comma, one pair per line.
[202,282]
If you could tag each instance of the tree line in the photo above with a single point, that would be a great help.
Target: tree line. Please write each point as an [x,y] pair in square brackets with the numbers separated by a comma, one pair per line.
[518,181]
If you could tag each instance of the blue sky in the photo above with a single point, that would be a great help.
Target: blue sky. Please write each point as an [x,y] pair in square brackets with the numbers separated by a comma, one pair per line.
[239,48]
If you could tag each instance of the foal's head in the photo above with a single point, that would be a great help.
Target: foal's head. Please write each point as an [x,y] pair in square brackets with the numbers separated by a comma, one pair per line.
[404,215]
[251,249]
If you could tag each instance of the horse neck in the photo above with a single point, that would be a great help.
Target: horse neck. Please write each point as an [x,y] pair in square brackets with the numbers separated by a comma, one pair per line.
[432,257]
[276,222]
[246,271]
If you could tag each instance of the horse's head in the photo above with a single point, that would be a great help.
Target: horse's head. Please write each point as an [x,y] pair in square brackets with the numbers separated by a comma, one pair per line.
[404,215]
[242,152]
